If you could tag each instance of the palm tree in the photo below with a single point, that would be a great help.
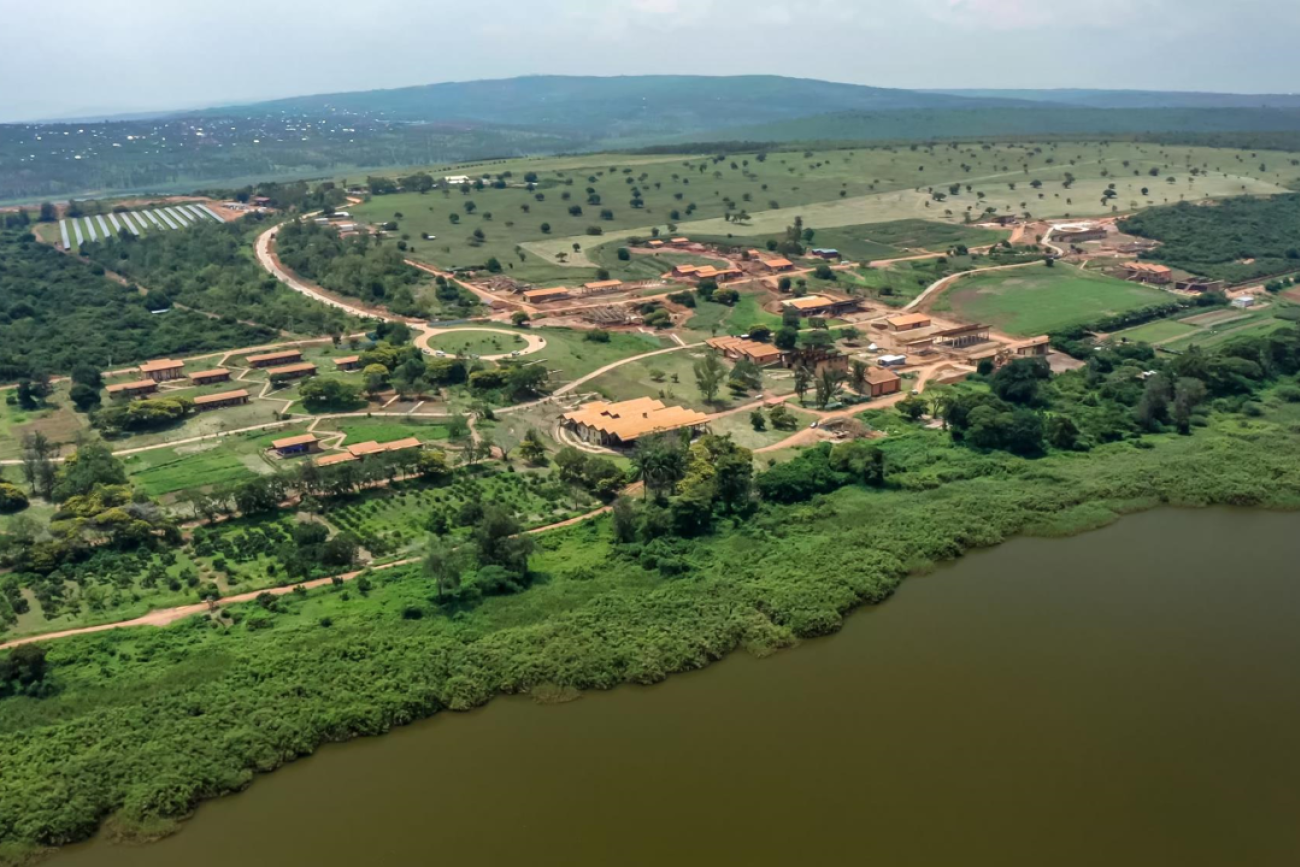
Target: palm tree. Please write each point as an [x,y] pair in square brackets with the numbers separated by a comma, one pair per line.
[803,377]
[858,376]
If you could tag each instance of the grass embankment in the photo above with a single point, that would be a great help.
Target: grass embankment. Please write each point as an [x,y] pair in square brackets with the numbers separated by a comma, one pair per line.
[145,723]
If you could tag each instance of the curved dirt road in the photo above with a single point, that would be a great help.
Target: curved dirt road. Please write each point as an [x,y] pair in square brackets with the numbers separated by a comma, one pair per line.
[535,342]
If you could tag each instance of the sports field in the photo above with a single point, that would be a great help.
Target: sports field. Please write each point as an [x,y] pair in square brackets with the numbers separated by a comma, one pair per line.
[1033,300]
[1159,331]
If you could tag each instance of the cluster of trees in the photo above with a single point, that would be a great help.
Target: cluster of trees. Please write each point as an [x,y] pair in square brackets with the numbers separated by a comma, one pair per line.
[494,562]
[209,267]
[95,509]
[1238,239]
[23,671]
[57,312]
[138,415]
[361,266]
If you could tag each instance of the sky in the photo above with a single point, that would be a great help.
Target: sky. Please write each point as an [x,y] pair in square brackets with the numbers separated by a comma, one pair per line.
[91,57]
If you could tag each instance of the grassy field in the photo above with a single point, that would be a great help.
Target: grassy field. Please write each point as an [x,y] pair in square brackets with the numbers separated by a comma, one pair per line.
[1035,299]
[477,343]
[57,420]
[360,430]
[569,355]
[1160,331]
[830,190]
[669,377]
[870,241]
[201,465]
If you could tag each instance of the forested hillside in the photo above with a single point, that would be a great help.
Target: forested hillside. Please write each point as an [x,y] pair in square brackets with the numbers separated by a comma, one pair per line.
[211,267]
[1234,240]
[56,312]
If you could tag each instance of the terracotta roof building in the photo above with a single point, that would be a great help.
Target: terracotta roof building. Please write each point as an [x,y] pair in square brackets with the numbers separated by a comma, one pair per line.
[207,377]
[1034,346]
[737,347]
[336,458]
[1147,272]
[361,450]
[270,359]
[217,401]
[821,305]
[622,424]
[882,381]
[349,362]
[292,371]
[778,264]
[163,369]
[602,286]
[133,389]
[908,322]
[541,296]
[296,445]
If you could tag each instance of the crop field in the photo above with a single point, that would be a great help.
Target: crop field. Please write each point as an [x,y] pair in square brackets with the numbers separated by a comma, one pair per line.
[201,465]
[1034,300]
[1207,338]
[591,201]
[400,517]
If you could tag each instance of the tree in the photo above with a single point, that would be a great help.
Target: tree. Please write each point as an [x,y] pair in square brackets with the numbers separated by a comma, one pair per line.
[49,213]
[92,464]
[787,338]
[660,461]
[375,377]
[710,373]
[500,541]
[911,408]
[444,565]
[803,379]
[531,448]
[858,370]
[519,318]
[1152,411]
[757,421]
[829,386]
[1018,382]
[1063,433]
[1188,394]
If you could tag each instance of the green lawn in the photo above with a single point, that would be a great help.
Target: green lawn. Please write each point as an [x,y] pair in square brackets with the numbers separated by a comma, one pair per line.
[1035,299]
[213,462]
[1158,332]
[383,430]
[569,355]
[653,377]
[477,343]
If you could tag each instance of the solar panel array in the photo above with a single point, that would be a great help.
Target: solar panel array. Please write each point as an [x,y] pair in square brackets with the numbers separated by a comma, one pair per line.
[166,217]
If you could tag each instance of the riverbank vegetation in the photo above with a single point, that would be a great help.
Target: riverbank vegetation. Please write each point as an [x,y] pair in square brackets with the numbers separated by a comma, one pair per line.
[721,552]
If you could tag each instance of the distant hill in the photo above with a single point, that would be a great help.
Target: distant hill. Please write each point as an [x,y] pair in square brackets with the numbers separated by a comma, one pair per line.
[1135,98]
[991,122]
[618,106]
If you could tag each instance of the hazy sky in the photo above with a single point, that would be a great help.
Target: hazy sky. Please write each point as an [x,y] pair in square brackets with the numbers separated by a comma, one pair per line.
[91,56]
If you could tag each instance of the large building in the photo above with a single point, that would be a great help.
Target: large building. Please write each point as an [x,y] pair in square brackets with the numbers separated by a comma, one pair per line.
[207,377]
[908,322]
[224,399]
[163,370]
[270,359]
[778,265]
[882,381]
[296,445]
[541,296]
[737,348]
[1032,347]
[292,371]
[132,389]
[1077,233]
[1148,272]
[822,305]
[622,424]
[960,338]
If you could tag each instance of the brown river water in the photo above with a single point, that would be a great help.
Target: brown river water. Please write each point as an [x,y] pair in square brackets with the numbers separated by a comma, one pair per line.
[1126,697]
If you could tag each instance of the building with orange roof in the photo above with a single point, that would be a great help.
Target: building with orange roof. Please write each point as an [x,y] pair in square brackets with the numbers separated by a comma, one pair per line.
[541,296]
[163,369]
[778,264]
[822,305]
[1040,345]
[296,445]
[908,322]
[684,270]
[292,371]
[132,389]
[348,362]
[737,348]
[620,425]
[270,359]
[677,242]
[361,450]
[335,458]
[655,244]
[882,381]
[218,401]
[1148,272]
[207,377]
[602,286]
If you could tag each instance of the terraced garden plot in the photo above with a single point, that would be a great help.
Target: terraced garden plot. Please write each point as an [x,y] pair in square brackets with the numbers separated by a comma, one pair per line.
[400,517]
